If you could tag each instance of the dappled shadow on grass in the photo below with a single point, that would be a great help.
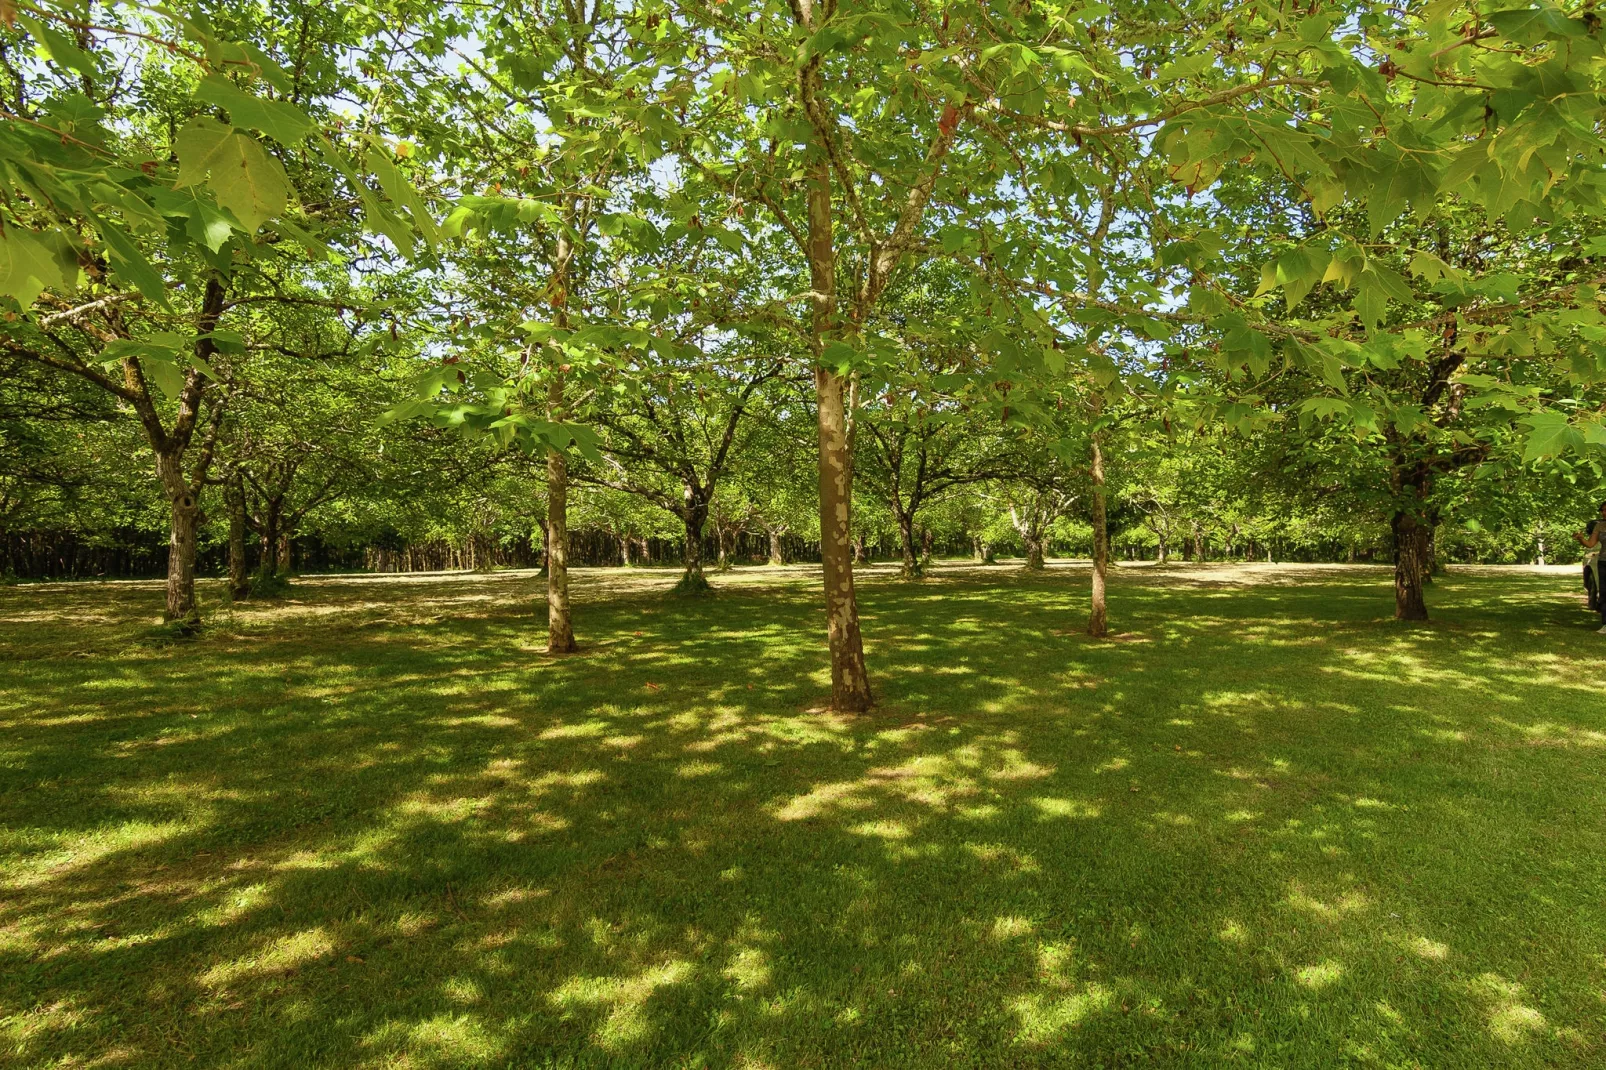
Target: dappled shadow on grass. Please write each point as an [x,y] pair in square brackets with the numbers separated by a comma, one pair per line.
[1273,826]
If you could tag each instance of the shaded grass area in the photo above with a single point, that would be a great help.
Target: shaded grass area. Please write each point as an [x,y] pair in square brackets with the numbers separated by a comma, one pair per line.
[375,825]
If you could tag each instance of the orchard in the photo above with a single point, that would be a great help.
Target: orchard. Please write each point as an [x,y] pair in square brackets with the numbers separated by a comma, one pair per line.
[793,534]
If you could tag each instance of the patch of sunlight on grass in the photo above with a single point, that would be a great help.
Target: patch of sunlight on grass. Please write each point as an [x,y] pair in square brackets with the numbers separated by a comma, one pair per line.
[1510,1020]
[842,795]
[1043,1018]
[239,903]
[1430,949]
[1346,904]
[749,969]
[883,830]
[1010,857]
[691,770]
[1321,975]
[1076,809]
[462,990]
[79,850]
[1010,927]
[457,1037]
[446,810]
[623,998]
[1232,932]
[579,730]
[1114,765]
[282,955]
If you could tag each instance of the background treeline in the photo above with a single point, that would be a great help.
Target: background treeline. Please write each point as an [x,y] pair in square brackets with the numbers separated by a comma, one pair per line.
[76,500]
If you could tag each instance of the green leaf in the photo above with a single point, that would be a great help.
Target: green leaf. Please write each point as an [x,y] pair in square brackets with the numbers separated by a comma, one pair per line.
[59,46]
[1550,435]
[30,262]
[130,264]
[280,120]
[198,145]
[244,178]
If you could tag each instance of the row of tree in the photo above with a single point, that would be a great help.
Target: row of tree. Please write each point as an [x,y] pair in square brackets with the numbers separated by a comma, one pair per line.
[971,246]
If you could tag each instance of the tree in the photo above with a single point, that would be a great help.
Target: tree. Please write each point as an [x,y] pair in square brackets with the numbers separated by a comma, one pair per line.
[136,218]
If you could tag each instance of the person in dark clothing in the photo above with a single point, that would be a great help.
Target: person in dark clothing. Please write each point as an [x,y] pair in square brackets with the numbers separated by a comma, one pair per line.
[1590,539]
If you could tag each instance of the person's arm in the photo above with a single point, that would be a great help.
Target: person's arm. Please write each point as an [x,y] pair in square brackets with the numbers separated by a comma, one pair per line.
[1589,539]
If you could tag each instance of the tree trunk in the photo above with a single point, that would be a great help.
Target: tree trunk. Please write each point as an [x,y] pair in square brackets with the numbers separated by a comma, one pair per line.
[777,557]
[859,555]
[1034,550]
[1098,618]
[283,557]
[624,550]
[693,518]
[927,541]
[906,544]
[850,681]
[1198,543]
[184,530]
[1410,553]
[727,546]
[560,627]
[976,553]
[1163,548]
[239,570]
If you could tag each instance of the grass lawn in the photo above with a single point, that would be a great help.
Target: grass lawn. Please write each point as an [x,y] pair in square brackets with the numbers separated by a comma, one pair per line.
[375,826]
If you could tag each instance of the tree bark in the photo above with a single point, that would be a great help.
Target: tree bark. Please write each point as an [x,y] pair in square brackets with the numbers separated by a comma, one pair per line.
[1162,551]
[693,518]
[927,543]
[859,555]
[182,608]
[1034,551]
[1098,624]
[911,569]
[777,557]
[624,550]
[560,626]
[1410,558]
[850,681]
[239,570]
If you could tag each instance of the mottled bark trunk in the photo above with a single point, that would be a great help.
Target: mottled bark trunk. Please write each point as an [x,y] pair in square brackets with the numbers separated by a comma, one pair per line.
[1163,549]
[183,535]
[239,570]
[977,554]
[859,554]
[727,547]
[268,543]
[777,556]
[850,681]
[282,556]
[624,550]
[693,519]
[1098,616]
[1198,543]
[1410,559]
[1034,551]
[927,544]
[560,625]
[906,543]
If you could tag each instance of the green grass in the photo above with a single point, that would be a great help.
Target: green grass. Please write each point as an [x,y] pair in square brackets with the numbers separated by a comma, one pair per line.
[373,825]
